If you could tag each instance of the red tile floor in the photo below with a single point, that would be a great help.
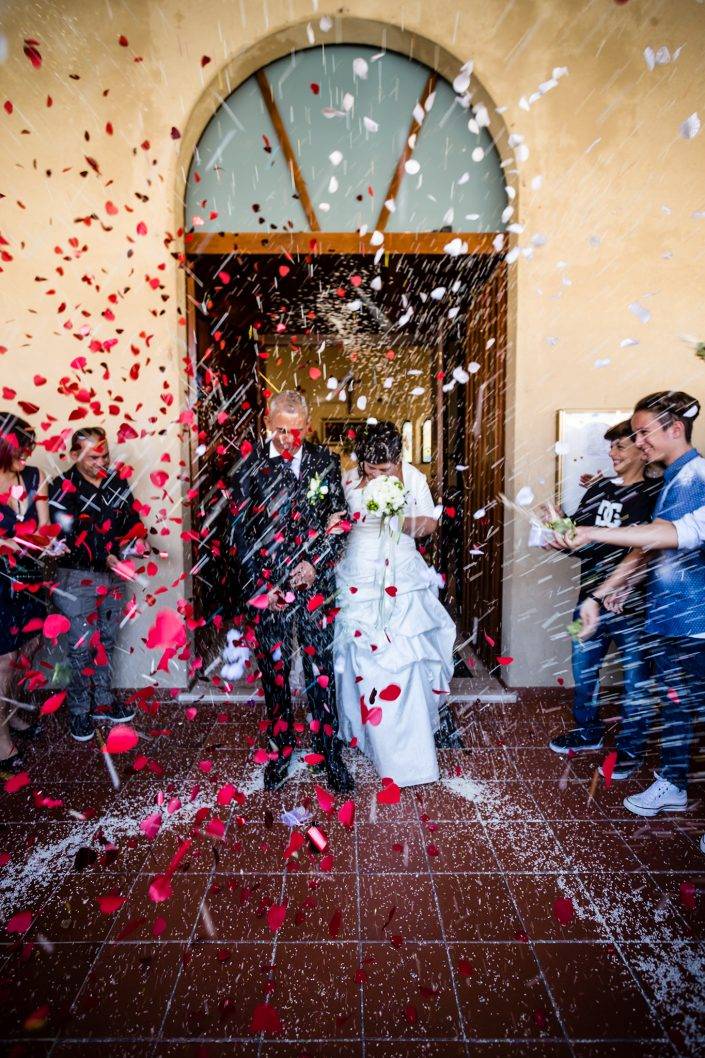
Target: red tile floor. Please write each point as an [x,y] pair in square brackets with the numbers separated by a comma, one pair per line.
[431,929]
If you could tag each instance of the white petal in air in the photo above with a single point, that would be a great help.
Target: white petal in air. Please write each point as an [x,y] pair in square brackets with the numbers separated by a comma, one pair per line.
[361,403]
[437,293]
[332,185]
[376,238]
[478,154]
[640,312]
[525,496]
[461,375]
[419,113]
[455,248]
[412,166]
[348,101]
[360,68]
[335,157]
[376,283]
[370,125]
[690,127]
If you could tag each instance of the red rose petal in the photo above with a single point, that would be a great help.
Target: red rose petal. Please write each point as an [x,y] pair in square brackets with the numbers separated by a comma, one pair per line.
[20,922]
[390,693]
[121,739]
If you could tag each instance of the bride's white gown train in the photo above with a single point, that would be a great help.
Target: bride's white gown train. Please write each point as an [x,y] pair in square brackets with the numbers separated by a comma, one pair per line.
[387,640]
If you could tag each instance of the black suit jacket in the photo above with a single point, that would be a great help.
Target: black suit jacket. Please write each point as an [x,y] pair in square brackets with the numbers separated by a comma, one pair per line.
[278,525]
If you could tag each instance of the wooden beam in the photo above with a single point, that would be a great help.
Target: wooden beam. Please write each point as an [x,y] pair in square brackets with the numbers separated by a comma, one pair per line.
[288,151]
[346,242]
[400,171]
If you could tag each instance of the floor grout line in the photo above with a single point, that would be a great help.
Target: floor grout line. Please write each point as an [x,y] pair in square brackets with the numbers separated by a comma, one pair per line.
[529,941]
[453,981]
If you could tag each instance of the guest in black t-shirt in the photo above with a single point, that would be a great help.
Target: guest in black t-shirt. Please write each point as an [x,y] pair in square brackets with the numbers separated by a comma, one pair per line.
[627,499]
[100,526]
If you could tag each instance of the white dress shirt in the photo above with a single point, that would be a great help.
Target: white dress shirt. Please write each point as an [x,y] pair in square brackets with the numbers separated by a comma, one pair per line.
[691,530]
[294,465]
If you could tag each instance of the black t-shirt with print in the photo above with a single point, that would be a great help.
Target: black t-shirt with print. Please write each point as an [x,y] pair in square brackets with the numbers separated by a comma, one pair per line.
[611,505]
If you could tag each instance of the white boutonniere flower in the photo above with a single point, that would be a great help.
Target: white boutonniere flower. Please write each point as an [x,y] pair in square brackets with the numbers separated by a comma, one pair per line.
[317,489]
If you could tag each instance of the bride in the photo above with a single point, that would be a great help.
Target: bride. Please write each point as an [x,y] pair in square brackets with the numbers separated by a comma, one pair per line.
[394,640]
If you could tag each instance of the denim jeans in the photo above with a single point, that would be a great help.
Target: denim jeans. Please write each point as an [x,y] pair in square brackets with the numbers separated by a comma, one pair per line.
[626,631]
[88,599]
[680,677]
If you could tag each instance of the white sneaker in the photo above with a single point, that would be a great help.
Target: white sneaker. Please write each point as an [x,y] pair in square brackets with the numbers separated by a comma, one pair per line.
[661,796]
[702,844]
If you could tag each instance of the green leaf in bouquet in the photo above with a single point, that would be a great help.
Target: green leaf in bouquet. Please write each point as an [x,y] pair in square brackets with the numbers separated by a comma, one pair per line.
[574,629]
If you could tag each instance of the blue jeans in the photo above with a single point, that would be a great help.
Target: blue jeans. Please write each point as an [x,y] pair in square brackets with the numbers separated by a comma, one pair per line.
[626,631]
[680,676]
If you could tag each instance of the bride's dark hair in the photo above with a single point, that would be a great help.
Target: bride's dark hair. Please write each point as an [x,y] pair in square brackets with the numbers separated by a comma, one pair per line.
[378,442]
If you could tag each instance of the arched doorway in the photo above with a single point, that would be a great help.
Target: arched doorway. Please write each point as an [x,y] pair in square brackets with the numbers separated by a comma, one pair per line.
[345,212]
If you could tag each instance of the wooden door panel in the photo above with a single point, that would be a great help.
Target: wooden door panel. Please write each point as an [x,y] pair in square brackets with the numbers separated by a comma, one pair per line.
[484,480]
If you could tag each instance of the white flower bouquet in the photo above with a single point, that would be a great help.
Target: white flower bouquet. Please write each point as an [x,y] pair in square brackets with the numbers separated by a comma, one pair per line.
[384,497]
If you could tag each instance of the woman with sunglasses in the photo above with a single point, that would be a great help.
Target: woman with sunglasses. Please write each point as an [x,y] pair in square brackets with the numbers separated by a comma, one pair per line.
[24,510]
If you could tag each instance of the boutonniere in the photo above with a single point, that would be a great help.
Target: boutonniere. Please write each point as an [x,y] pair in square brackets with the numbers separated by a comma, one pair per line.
[316,489]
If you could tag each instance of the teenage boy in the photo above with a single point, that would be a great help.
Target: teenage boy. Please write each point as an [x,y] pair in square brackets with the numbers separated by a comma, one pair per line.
[663,426]
[626,499]
[96,512]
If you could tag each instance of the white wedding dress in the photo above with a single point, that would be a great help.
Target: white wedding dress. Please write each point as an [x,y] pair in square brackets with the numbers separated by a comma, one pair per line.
[387,640]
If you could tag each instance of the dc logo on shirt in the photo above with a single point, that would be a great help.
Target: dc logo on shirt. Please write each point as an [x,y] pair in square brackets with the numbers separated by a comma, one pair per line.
[609,514]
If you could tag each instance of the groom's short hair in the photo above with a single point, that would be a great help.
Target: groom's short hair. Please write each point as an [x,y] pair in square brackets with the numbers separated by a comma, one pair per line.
[289,400]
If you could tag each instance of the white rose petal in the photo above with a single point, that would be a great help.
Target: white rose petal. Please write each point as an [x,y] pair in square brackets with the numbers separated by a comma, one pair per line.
[690,127]
[361,403]
[376,283]
[335,157]
[412,166]
[461,375]
[360,68]
[525,496]
[640,312]
[370,125]
[418,391]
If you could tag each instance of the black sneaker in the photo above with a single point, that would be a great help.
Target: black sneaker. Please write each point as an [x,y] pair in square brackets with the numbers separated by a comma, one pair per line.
[81,727]
[117,713]
[625,765]
[575,742]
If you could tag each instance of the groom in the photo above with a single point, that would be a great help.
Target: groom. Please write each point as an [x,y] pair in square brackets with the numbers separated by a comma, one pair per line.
[291,488]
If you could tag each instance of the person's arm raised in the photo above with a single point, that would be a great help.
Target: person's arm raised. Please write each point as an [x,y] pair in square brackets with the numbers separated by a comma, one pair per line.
[654,536]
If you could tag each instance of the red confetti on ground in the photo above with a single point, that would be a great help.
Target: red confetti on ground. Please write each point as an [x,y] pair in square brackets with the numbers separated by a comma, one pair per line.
[266,1019]
[17,782]
[110,903]
[563,910]
[276,916]
[390,794]
[346,814]
[20,922]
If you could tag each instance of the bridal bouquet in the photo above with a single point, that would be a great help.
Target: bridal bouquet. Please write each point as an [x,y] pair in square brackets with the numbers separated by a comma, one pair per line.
[384,497]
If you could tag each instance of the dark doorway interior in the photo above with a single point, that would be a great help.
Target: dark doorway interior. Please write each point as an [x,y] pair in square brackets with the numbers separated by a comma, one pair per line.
[246,307]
